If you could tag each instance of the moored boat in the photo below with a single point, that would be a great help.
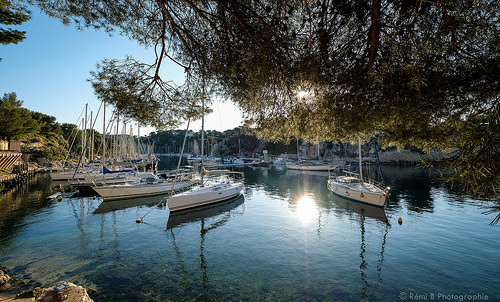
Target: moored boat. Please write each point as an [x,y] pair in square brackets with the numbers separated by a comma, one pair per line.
[350,186]
[200,196]
[146,187]
[353,186]
[311,167]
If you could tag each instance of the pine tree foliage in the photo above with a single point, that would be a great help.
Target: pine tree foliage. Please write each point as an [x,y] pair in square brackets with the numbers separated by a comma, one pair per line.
[16,121]
[12,16]
[425,73]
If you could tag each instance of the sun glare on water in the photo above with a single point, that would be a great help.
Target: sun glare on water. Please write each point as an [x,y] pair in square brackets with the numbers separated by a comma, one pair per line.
[307,210]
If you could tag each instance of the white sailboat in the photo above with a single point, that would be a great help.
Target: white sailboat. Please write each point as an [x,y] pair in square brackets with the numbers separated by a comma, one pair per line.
[310,167]
[353,186]
[203,195]
[150,184]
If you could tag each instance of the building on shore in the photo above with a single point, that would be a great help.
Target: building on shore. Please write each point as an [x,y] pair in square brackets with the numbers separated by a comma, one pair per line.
[11,163]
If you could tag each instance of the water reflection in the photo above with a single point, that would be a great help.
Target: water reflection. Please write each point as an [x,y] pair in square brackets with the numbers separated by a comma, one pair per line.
[121,204]
[259,247]
[292,185]
[360,212]
[411,186]
[361,209]
[210,218]
[307,209]
[23,200]
[177,219]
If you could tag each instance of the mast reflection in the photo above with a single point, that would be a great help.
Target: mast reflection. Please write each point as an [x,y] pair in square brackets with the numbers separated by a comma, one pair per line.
[121,204]
[221,212]
[362,211]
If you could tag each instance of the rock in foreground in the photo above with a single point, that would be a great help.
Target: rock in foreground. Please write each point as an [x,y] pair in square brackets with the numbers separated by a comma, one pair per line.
[64,291]
[4,279]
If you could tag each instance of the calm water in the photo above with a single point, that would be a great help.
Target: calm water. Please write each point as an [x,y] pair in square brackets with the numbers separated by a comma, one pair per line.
[287,239]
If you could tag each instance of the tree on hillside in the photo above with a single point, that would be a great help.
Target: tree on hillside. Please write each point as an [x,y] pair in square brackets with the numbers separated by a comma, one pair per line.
[14,120]
[47,123]
[411,72]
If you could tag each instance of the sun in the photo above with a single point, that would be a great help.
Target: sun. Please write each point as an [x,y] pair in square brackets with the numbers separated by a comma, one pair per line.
[303,94]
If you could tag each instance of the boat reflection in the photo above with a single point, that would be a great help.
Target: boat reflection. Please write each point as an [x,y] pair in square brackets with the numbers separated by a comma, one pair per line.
[364,210]
[120,204]
[181,217]
[221,212]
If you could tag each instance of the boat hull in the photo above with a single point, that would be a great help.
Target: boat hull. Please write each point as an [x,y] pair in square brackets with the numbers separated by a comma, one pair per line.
[88,177]
[114,192]
[203,196]
[311,167]
[376,198]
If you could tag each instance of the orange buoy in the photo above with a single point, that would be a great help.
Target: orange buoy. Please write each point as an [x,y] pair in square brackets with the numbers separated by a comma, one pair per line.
[400,221]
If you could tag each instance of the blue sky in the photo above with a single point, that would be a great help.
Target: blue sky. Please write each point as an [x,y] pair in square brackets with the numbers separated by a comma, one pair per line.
[50,68]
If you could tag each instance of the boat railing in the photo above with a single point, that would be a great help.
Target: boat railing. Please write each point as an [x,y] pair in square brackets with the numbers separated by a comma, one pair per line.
[334,173]
[355,174]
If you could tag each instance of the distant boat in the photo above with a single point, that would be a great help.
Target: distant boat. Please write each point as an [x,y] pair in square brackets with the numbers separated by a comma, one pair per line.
[351,185]
[279,161]
[107,177]
[311,167]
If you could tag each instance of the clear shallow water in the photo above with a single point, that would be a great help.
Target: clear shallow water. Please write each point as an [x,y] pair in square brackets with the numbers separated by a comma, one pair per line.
[287,239]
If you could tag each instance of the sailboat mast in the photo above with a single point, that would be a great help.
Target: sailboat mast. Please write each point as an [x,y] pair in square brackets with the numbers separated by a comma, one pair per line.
[298,157]
[85,132]
[103,138]
[202,135]
[360,166]
[91,150]
[317,151]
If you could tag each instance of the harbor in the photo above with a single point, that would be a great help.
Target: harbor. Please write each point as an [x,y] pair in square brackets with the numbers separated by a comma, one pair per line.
[249,151]
[287,237]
